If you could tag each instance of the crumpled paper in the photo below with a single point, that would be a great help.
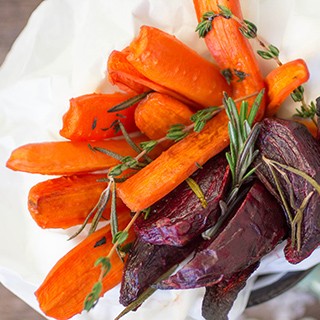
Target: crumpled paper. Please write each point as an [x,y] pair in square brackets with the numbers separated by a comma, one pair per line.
[62,53]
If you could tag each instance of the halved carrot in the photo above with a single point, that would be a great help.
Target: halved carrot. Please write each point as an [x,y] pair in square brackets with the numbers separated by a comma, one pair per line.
[157,113]
[231,50]
[122,74]
[66,201]
[63,292]
[66,157]
[88,117]
[127,78]
[282,81]
[164,59]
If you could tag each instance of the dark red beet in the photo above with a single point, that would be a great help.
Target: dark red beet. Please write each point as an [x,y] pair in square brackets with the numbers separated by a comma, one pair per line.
[254,230]
[291,143]
[146,263]
[218,299]
[179,217]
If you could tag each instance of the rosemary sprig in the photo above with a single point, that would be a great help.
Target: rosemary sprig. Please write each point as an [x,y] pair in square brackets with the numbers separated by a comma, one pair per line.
[294,213]
[130,102]
[242,152]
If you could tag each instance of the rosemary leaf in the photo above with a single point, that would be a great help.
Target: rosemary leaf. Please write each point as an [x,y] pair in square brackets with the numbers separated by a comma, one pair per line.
[107,152]
[130,102]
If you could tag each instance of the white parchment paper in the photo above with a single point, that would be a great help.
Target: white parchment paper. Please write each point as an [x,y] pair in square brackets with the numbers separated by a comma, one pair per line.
[62,53]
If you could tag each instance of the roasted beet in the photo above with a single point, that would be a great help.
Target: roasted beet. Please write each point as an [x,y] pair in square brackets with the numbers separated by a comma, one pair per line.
[290,143]
[146,263]
[179,217]
[254,230]
[219,298]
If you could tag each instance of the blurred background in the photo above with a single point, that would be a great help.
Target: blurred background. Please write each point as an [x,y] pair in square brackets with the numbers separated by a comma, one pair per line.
[300,303]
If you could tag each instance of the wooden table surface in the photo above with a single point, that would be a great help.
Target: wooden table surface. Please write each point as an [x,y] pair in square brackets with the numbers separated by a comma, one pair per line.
[13,17]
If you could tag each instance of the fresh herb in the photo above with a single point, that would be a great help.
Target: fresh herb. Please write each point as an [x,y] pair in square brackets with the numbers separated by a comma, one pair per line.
[130,102]
[295,218]
[242,152]
[197,191]
[205,24]
[94,123]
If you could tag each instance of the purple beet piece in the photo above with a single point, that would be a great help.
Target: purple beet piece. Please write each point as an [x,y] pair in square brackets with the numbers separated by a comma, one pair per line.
[290,143]
[146,263]
[219,298]
[257,226]
[179,217]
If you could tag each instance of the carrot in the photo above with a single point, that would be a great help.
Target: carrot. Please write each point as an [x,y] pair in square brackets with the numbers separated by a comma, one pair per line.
[174,165]
[127,78]
[157,113]
[66,201]
[122,74]
[88,117]
[282,81]
[66,158]
[182,159]
[164,59]
[62,293]
[231,50]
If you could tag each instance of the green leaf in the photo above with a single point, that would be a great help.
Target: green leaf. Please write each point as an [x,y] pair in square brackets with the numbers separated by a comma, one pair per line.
[148,145]
[225,11]
[120,237]
[265,54]
[93,296]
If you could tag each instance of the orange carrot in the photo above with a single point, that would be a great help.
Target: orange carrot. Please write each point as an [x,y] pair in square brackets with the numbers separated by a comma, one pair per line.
[62,293]
[231,49]
[66,201]
[157,113]
[174,165]
[165,60]
[88,119]
[127,78]
[282,81]
[122,74]
[180,161]
[66,158]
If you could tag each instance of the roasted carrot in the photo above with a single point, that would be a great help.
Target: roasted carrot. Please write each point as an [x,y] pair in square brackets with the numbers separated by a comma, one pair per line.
[88,117]
[182,159]
[122,74]
[174,165]
[127,78]
[66,201]
[62,293]
[231,50]
[164,59]
[282,81]
[157,113]
[66,157]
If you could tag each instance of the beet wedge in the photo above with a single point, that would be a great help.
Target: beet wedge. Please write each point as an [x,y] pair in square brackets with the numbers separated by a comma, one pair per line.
[218,299]
[180,216]
[146,263]
[257,226]
[290,143]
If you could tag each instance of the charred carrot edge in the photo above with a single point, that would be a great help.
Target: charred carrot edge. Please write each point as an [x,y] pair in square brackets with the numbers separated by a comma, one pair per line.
[123,74]
[157,113]
[282,81]
[174,165]
[62,293]
[88,119]
[311,126]
[164,59]
[66,158]
[231,50]
[66,201]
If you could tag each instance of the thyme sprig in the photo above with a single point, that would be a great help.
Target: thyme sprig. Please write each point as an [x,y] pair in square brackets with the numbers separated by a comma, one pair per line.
[242,152]
[268,52]
[105,263]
